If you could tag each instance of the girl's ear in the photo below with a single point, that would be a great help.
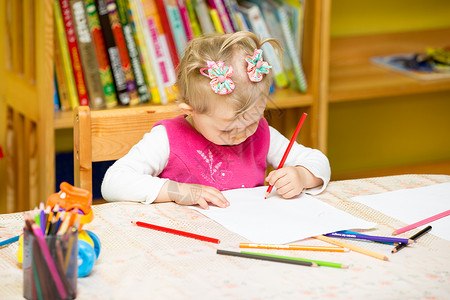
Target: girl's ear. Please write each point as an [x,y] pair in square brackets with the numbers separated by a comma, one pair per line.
[186,108]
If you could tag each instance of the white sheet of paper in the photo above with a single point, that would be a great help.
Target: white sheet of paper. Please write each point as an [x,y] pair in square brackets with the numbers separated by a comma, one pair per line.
[278,221]
[413,205]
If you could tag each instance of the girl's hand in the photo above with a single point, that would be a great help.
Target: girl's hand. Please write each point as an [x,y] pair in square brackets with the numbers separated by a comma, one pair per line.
[291,181]
[191,194]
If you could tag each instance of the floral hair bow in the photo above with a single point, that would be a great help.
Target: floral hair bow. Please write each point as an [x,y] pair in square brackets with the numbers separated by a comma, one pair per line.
[256,66]
[220,77]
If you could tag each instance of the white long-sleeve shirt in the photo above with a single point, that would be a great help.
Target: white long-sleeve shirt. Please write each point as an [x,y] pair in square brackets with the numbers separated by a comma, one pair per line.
[134,177]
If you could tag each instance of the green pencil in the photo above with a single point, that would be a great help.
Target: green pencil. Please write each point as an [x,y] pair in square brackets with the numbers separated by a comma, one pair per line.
[320,263]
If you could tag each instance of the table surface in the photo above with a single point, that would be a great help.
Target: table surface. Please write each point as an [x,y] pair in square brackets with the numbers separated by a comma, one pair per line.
[139,263]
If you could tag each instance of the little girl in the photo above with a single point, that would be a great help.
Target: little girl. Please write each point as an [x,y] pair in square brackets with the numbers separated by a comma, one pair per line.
[222,140]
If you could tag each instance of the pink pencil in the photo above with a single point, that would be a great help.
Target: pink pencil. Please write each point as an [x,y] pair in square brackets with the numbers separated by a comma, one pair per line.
[423,222]
[288,149]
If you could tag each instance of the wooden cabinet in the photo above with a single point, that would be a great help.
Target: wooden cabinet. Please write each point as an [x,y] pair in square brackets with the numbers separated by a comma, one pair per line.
[28,122]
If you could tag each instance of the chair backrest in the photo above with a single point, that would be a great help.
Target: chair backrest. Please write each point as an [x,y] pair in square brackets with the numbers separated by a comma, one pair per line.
[104,135]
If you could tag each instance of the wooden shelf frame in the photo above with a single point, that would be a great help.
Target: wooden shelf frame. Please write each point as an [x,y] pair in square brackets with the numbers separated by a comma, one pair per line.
[354,77]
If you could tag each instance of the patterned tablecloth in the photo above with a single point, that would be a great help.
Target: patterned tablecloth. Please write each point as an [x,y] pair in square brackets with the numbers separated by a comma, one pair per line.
[139,263]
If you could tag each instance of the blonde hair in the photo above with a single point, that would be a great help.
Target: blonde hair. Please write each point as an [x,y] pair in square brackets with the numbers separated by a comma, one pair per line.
[194,88]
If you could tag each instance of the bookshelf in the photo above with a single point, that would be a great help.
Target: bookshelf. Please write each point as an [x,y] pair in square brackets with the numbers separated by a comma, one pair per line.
[27,133]
[354,82]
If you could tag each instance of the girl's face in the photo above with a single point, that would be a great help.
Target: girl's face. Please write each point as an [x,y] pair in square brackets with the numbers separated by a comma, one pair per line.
[222,127]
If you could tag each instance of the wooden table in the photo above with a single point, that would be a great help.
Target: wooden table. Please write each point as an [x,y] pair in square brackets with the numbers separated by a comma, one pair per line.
[139,263]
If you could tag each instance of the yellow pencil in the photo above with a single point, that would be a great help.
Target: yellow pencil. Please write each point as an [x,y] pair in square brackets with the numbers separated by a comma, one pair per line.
[293,247]
[351,247]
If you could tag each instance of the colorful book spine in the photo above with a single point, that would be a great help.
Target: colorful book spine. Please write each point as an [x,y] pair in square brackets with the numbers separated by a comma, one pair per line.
[101,54]
[56,103]
[223,15]
[197,31]
[87,55]
[148,40]
[144,95]
[185,18]
[165,23]
[203,16]
[291,48]
[147,68]
[74,52]
[62,50]
[256,22]
[119,38]
[176,24]
[160,46]
[216,20]
[61,86]
[120,83]
[268,11]
[231,8]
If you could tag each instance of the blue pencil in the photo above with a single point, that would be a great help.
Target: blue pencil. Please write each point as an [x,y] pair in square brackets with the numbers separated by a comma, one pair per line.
[9,241]
[370,238]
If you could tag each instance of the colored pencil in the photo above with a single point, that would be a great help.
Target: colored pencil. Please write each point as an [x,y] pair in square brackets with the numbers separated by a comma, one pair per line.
[292,247]
[9,241]
[318,262]
[351,247]
[177,232]
[50,263]
[269,258]
[414,237]
[369,237]
[288,149]
[422,222]
[359,233]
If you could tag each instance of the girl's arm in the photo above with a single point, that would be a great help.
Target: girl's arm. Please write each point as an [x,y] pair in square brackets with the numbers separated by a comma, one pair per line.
[134,176]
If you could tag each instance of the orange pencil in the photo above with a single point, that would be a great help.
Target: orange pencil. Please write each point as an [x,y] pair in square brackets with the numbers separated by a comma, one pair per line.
[292,247]
[288,149]
[352,247]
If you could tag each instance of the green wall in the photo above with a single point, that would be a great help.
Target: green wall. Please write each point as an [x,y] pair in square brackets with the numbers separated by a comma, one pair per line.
[392,131]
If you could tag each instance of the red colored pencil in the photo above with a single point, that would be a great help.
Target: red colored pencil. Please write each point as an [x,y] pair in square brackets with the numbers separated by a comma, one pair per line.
[178,232]
[288,149]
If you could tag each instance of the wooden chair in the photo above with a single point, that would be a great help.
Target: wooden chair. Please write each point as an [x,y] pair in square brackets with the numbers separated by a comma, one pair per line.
[104,135]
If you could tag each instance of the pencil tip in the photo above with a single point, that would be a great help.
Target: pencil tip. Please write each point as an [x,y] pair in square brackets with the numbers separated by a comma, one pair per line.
[386,258]
[394,233]
[394,250]
[344,267]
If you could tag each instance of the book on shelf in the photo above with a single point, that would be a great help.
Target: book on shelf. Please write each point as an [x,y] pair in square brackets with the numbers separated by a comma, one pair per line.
[134,46]
[185,18]
[219,6]
[74,53]
[203,16]
[289,43]
[176,24]
[216,20]
[88,58]
[158,48]
[119,39]
[232,10]
[56,102]
[196,30]
[146,64]
[63,65]
[61,86]
[254,18]
[122,8]
[416,65]
[101,54]
[167,30]
[119,80]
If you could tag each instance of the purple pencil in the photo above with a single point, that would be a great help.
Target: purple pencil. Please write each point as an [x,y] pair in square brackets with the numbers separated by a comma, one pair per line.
[370,238]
